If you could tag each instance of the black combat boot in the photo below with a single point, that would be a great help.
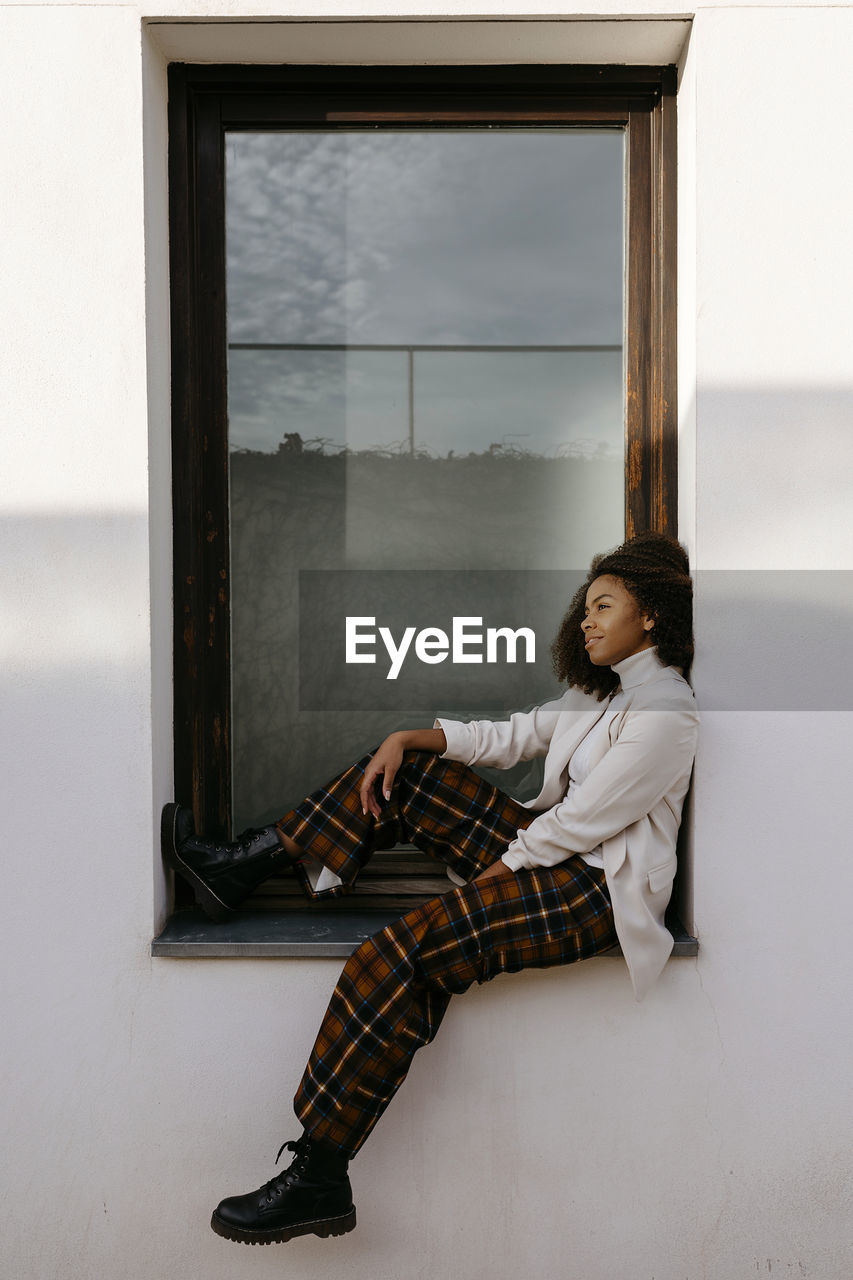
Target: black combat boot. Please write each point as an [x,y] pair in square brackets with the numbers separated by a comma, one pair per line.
[311,1197]
[221,875]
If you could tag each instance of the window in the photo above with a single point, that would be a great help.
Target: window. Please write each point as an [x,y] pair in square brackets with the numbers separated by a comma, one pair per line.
[423,366]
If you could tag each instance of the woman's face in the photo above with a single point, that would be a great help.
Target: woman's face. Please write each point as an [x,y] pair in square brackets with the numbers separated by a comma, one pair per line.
[613,626]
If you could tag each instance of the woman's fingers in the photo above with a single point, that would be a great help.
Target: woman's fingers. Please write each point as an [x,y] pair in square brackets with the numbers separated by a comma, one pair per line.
[386,762]
[369,801]
[372,798]
[365,791]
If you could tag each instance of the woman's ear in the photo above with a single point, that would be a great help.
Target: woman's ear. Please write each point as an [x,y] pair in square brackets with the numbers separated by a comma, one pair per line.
[648,623]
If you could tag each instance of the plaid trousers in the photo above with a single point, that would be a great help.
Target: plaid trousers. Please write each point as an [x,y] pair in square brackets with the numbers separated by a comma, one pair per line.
[396,986]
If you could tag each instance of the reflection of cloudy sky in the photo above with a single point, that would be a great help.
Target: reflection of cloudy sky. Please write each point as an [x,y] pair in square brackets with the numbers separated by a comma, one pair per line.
[491,237]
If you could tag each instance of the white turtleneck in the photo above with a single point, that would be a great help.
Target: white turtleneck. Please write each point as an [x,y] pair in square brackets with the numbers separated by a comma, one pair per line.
[632,671]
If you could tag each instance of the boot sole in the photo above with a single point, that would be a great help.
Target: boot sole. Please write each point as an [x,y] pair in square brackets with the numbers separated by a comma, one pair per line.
[323,1227]
[212,906]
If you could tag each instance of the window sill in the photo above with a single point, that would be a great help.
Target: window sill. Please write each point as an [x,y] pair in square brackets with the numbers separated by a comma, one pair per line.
[307,933]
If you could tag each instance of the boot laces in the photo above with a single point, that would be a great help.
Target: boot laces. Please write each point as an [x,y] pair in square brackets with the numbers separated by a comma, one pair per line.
[245,841]
[277,1185]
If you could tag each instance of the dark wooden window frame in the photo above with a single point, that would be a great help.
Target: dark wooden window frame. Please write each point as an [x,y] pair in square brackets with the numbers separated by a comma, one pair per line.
[204,102]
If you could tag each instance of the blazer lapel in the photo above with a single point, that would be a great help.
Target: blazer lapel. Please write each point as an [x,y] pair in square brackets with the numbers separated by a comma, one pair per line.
[566,739]
[572,728]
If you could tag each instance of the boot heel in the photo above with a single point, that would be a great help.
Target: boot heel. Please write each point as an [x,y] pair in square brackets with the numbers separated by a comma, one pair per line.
[336,1226]
[204,896]
[207,900]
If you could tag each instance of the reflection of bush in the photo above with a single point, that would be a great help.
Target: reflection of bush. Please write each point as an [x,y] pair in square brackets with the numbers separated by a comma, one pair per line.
[292,446]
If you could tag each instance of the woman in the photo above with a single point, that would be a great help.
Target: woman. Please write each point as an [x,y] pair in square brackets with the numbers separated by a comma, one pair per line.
[586,865]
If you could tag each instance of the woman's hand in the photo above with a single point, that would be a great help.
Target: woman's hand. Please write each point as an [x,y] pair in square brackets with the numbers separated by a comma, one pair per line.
[386,762]
[382,767]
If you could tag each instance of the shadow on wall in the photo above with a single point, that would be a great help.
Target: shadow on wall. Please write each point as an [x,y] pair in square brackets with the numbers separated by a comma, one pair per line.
[774,640]
[74,594]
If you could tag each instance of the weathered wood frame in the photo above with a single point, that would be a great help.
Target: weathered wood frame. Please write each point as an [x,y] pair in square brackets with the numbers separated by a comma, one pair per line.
[204,102]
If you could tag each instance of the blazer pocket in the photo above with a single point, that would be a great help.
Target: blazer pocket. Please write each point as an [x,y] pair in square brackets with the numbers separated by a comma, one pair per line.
[661,876]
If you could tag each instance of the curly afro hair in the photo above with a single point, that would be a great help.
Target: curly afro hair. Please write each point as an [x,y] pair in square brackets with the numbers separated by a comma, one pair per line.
[654,568]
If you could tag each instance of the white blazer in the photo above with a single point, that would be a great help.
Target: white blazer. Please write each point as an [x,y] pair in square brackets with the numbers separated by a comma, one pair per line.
[630,803]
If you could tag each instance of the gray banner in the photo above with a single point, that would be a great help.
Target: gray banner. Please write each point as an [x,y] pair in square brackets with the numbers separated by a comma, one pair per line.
[765,640]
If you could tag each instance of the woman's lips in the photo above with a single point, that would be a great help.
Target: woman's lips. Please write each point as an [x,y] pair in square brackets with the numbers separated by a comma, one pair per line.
[591,640]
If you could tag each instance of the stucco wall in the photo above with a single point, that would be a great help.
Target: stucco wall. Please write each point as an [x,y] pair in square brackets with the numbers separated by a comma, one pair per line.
[556,1127]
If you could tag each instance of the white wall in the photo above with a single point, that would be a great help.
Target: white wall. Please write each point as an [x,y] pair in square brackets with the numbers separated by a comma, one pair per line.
[145,1090]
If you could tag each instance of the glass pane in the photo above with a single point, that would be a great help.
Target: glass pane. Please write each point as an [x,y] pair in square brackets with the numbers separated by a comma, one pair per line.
[426,418]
